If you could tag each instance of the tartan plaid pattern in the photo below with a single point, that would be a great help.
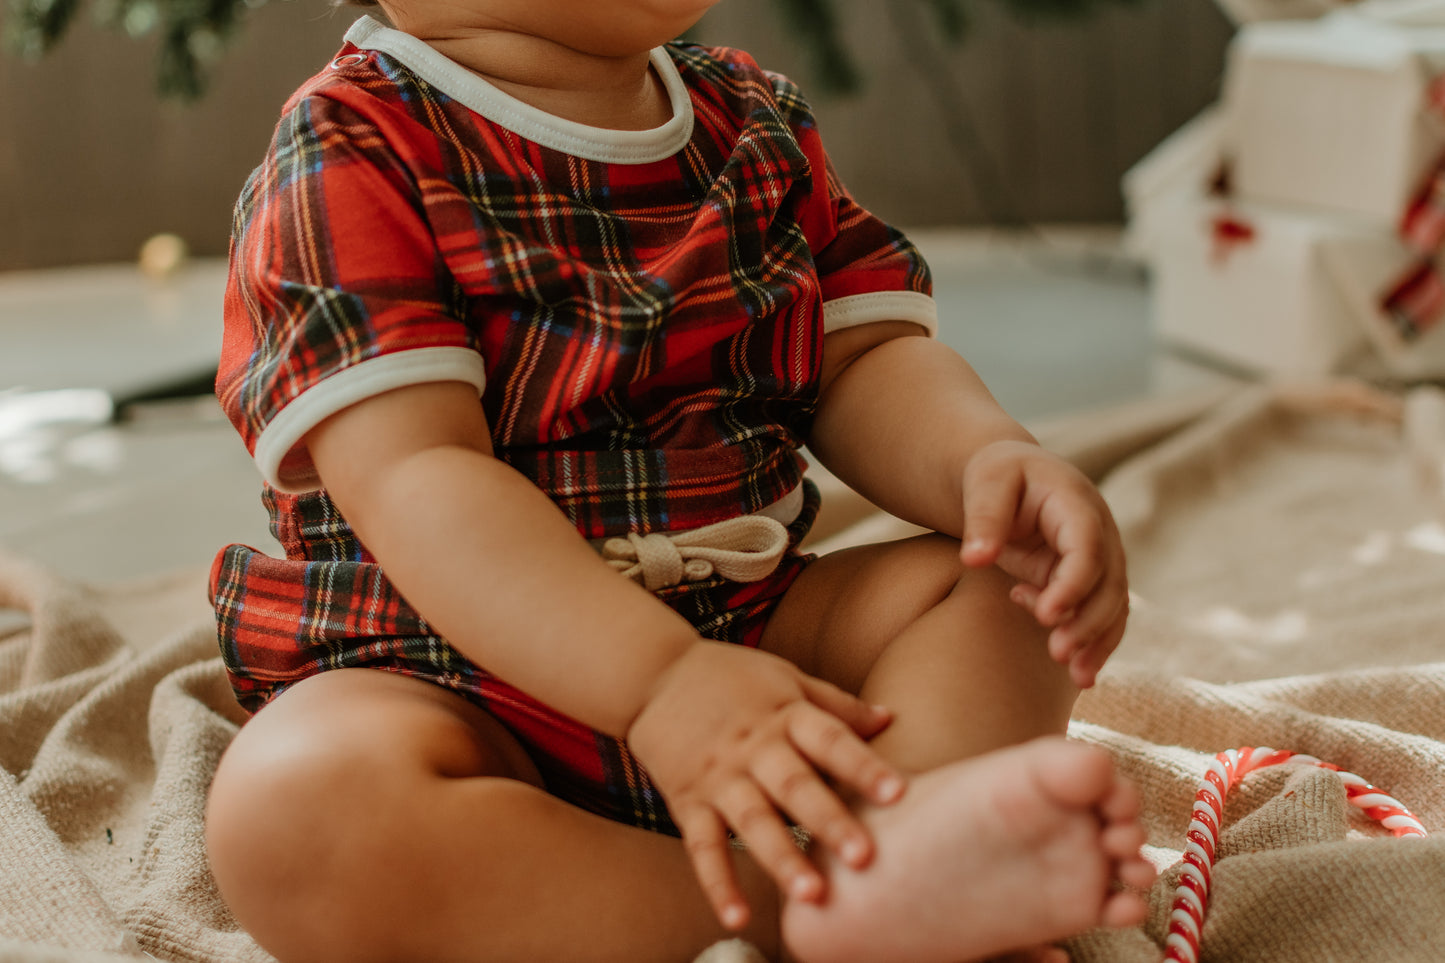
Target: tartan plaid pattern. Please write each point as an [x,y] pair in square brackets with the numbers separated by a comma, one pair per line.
[649,336]
[650,333]
[350,616]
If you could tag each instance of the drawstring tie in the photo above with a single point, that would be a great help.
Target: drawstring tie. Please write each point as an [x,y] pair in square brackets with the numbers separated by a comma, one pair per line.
[743,549]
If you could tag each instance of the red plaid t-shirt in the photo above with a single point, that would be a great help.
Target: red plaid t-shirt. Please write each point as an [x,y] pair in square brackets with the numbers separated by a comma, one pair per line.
[641,312]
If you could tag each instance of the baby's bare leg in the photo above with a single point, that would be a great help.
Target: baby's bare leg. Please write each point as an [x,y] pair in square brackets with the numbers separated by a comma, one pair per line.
[1001,843]
[903,624]
[367,816]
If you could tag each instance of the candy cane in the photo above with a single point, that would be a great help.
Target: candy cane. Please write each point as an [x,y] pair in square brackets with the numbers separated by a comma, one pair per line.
[1191,898]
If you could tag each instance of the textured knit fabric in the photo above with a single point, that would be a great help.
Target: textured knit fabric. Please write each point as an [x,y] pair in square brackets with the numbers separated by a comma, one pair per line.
[642,314]
[114,708]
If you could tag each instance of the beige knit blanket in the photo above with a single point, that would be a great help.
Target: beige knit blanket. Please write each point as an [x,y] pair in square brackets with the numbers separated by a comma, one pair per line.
[1287,550]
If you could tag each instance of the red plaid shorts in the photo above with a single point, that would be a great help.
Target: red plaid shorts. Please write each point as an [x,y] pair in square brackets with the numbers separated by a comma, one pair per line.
[578,764]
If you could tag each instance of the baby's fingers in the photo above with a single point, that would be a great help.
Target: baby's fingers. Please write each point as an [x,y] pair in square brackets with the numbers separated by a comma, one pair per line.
[1026,597]
[830,745]
[1100,614]
[705,837]
[1081,568]
[864,719]
[992,493]
[771,843]
[799,791]
[1086,641]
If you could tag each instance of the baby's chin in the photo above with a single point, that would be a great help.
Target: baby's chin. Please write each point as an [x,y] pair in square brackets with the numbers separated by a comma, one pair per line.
[612,31]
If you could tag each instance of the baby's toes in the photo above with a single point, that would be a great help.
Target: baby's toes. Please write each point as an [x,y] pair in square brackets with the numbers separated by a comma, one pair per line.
[1137,873]
[1121,804]
[1124,909]
[1121,841]
[1074,776]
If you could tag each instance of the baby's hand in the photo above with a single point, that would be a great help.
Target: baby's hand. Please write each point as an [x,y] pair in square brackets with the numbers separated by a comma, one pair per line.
[734,738]
[1040,520]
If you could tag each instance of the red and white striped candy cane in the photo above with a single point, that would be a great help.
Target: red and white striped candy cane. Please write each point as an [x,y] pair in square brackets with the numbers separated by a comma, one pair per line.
[1191,898]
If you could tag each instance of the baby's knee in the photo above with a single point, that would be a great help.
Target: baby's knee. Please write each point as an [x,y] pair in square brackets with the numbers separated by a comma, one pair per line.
[981,598]
[310,808]
[271,852]
[932,564]
[298,821]
[937,562]
[249,821]
[927,571]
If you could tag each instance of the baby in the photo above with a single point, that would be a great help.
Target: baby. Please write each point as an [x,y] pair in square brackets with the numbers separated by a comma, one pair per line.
[530,313]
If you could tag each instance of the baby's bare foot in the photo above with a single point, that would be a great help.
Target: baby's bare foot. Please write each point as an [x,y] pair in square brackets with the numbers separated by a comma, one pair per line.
[1006,852]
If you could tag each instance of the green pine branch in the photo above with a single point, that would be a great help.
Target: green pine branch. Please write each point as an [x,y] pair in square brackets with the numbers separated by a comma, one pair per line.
[193,34]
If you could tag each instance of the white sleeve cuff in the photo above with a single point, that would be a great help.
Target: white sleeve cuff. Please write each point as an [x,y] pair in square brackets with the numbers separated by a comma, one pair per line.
[859,309]
[346,388]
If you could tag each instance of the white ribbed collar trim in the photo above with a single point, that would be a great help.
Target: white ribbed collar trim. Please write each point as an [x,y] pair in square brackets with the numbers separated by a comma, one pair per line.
[579,140]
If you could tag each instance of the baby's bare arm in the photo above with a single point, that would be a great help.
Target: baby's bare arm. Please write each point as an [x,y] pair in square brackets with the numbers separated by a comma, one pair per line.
[910,425]
[489,560]
[731,736]
[899,418]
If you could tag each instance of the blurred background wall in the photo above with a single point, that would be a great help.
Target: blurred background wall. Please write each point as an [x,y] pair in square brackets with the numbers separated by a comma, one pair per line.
[1043,121]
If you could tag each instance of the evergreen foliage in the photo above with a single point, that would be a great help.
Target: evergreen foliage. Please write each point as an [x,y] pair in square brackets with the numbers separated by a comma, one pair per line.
[193,33]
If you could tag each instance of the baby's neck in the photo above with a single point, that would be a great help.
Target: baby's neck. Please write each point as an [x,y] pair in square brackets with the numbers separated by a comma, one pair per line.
[617,93]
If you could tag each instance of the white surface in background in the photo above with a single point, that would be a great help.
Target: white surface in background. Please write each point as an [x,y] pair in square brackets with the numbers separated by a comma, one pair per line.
[109,327]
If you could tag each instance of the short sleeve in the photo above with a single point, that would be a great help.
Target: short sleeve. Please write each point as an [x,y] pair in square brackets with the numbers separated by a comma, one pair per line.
[337,291]
[869,271]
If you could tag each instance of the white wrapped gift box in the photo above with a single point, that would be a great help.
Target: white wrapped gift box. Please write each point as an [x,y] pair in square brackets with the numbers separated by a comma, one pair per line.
[1300,294]
[1249,285]
[1335,114]
[1182,166]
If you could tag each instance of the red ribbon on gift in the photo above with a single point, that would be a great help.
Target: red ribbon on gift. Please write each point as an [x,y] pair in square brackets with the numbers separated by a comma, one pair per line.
[1416,302]
[1229,232]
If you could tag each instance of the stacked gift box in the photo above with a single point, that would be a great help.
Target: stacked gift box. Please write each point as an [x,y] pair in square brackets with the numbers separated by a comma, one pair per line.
[1293,228]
